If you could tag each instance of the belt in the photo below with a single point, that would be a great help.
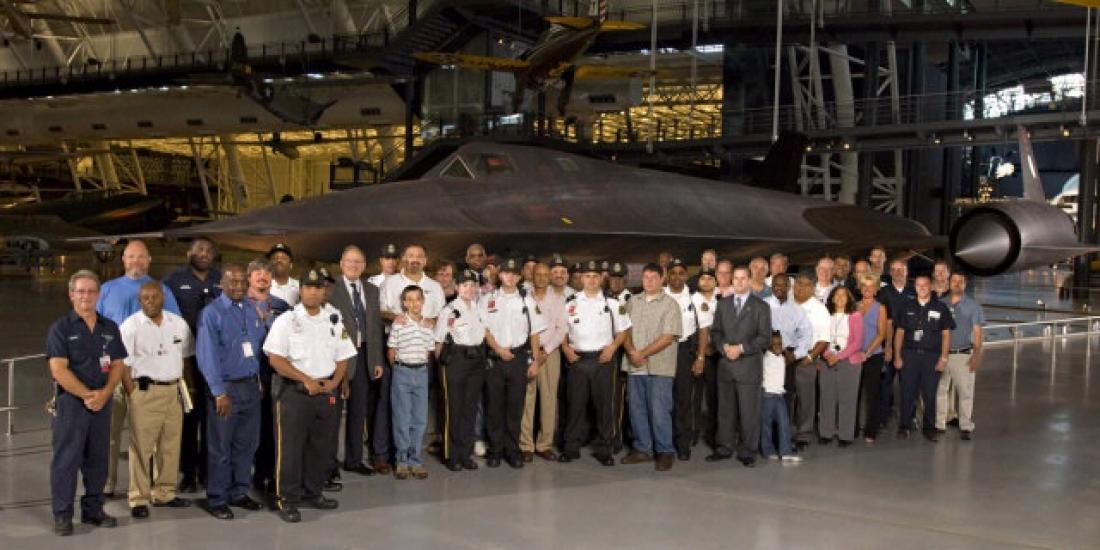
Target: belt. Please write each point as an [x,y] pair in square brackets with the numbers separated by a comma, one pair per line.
[588,353]
[461,346]
[958,351]
[411,365]
[249,378]
[148,380]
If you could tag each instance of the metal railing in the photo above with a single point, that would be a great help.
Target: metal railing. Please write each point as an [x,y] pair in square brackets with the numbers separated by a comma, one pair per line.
[9,407]
[1049,329]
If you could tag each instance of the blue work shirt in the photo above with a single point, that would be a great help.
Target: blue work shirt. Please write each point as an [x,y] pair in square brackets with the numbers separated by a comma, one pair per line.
[229,343]
[192,294]
[267,310]
[967,313]
[793,325]
[69,338]
[118,298]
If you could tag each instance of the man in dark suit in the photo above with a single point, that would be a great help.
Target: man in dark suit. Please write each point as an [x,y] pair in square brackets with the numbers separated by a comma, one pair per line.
[741,332]
[358,303]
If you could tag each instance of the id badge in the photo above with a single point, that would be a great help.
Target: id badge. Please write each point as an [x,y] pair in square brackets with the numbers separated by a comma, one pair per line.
[246,349]
[918,335]
[105,363]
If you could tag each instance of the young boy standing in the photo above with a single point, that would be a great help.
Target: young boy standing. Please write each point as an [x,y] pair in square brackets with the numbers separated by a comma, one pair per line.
[411,340]
[773,408]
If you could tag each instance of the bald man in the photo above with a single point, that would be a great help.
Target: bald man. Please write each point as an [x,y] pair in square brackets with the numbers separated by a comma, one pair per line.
[118,300]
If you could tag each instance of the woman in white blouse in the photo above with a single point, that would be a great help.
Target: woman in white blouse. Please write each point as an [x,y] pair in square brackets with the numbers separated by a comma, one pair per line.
[839,380]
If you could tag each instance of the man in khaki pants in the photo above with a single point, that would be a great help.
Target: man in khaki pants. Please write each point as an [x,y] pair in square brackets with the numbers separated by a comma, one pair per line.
[964,357]
[544,386]
[158,343]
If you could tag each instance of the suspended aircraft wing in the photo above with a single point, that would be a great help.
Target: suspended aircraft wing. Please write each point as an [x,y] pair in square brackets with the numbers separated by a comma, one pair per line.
[611,71]
[575,23]
[470,61]
[1082,3]
[614,26]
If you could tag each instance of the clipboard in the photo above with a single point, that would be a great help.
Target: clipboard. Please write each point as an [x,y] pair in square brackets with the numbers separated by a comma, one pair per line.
[185,396]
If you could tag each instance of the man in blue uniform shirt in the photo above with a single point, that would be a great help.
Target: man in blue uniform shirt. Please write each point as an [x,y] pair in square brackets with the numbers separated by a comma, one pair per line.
[118,300]
[194,286]
[922,337]
[228,346]
[85,354]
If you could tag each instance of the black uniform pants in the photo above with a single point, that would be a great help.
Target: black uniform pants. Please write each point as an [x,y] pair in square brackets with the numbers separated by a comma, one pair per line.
[306,434]
[687,391]
[619,396]
[918,376]
[81,441]
[506,389]
[739,394]
[355,425]
[590,381]
[193,438]
[710,391]
[463,376]
[264,467]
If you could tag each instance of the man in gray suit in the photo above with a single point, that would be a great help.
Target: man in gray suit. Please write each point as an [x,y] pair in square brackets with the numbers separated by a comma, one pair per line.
[358,303]
[741,332]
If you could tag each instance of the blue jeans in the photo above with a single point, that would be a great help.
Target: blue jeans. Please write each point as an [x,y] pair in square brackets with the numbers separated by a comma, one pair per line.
[773,412]
[651,412]
[232,442]
[409,399]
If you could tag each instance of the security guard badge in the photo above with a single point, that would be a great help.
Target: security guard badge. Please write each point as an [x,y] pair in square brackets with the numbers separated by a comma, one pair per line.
[622,309]
[705,307]
[537,310]
[344,333]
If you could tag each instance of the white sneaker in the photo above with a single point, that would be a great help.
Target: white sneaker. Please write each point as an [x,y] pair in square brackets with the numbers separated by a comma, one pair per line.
[773,457]
[480,448]
[792,459]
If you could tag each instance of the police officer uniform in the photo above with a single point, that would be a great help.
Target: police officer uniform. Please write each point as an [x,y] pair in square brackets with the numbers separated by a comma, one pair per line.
[192,295]
[684,385]
[388,251]
[461,331]
[595,322]
[81,437]
[307,426]
[924,326]
[511,319]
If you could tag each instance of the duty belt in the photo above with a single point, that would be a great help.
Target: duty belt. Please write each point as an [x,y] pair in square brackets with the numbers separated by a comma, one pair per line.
[959,351]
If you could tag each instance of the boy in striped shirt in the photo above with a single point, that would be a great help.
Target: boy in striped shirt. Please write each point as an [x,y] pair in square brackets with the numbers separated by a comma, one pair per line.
[411,341]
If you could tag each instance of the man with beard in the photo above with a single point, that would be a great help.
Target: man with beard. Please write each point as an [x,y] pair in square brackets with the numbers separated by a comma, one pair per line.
[267,307]
[194,286]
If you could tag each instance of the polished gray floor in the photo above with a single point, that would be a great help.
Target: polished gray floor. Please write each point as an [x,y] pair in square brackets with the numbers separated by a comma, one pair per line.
[1031,477]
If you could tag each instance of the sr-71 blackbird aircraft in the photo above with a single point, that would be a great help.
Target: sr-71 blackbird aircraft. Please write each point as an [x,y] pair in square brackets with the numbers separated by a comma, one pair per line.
[541,201]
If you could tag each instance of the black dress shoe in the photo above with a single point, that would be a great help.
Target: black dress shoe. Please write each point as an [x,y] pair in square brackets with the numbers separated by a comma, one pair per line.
[748,462]
[333,486]
[492,462]
[953,422]
[361,469]
[100,520]
[176,502]
[606,460]
[965,435]
[824,440]
[931,436]
[514,461]
[568,457]
[683,455]
[290,514]
[320,502]
[140,511]
[221,512]
[188,485]
[716,457]
[469,464]
[247,503]
[454,465]
[63,526]
[843,443]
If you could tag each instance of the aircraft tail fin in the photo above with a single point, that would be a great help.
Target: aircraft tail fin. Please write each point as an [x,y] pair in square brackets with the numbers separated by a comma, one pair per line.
[782,166]
[1033,184]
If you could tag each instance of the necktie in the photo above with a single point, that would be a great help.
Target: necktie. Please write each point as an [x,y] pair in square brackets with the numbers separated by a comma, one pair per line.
[737,305]
[357,304]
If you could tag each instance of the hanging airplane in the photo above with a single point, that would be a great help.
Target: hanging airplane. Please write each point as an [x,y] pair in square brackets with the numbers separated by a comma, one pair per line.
[20,21]
[552,60]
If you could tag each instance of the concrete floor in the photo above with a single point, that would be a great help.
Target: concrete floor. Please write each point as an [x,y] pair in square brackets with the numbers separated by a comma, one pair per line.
[1031,477]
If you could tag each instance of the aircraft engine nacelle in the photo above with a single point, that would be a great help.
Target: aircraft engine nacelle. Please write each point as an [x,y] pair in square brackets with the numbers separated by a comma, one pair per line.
[1010,236]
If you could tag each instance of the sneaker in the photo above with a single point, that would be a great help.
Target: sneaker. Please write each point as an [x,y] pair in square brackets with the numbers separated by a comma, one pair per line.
[419,472]
[401,471]
[773,457]
[792,459]
[480,448]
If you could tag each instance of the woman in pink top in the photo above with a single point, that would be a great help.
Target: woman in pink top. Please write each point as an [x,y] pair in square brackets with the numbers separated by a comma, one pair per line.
[839,381]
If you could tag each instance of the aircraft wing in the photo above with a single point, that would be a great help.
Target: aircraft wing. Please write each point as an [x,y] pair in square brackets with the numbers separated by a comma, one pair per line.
[470,61]
[575,23]
[614,26]
[611,71]
[1082,3]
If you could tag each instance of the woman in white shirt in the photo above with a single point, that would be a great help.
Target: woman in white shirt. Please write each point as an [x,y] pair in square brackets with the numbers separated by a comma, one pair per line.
[839,380]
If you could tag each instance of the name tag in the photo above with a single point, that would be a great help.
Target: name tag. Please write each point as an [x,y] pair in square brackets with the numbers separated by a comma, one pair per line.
[933,315]
[246,349]
[105,363]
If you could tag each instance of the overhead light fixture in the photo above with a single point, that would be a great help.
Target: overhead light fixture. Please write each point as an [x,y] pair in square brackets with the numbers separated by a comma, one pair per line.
[967,136]
[810,147]
[847,146]
[1064,130]
[936,139]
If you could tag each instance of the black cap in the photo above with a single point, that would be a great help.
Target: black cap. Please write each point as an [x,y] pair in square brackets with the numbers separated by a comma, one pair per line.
[557,261]
[530,258]
[326,275]
[389,251]
[618,269]
[706,271]
[591,266]
[575,268]
[313,277]
[511,264]
[605,266]
[675,262]
[466,275]
[280,247]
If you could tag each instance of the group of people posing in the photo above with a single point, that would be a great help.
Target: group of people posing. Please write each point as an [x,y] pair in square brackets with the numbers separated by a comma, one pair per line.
[239,377]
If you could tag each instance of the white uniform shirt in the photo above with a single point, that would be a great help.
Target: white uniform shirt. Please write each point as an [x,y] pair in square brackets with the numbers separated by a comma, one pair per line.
[775,369]
[624,296]
[156,351]
[390,294]
[566,292]
[820,319]
[705,308]
[377,279]
[590,321]
[504,317]
[687,311]
[312,343]
[289,292]
[462,321]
